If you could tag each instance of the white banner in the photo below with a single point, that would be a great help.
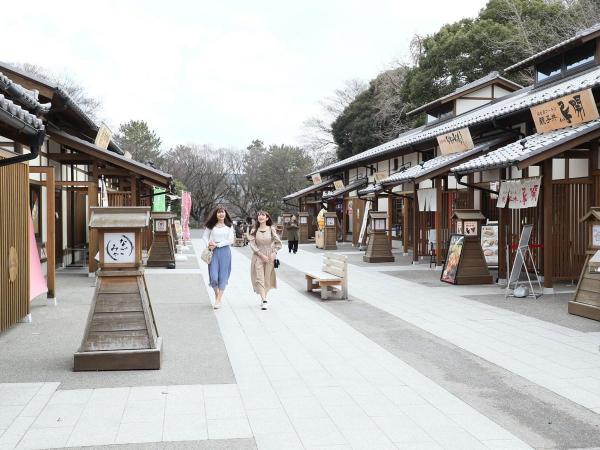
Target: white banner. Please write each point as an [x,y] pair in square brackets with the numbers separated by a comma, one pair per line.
[519,194]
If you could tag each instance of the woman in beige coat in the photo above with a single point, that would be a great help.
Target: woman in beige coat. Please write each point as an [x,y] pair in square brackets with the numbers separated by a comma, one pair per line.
[265,244]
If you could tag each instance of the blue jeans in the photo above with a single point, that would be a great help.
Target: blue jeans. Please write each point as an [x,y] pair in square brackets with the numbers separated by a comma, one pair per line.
[219,268]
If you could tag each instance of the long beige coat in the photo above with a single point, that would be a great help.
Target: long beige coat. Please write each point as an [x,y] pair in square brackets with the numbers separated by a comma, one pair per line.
[262,273]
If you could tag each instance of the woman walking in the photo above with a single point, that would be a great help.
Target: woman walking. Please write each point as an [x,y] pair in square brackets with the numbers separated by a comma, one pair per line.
[292,234]
[219,235]
[265,244]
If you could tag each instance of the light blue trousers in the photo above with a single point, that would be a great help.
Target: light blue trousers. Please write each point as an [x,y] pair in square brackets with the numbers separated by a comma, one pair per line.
[219,268]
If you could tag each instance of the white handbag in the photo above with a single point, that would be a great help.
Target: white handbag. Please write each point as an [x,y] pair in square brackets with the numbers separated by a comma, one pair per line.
[207,253]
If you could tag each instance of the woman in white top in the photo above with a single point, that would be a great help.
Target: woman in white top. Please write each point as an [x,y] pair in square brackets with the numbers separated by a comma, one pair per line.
[219,235]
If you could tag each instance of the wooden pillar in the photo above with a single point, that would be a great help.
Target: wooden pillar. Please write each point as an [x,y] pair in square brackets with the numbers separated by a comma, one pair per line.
[471,191]
[51,223]
[93,201]
[593,164]
[405,218]
[134,193]
[438,221]
[548,225]
[390,218]
[415,230]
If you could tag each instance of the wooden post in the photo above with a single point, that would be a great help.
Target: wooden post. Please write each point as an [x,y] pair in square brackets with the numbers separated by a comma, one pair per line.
[415,230]
[49,184]
[548,225]
[438,221]
[134,193]
[593,165]
[405,219]
[93,201]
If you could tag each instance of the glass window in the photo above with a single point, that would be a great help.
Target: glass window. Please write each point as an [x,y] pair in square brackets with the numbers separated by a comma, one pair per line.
[549,68]
[578,167]
[558,169]
[580,55]
[395,164]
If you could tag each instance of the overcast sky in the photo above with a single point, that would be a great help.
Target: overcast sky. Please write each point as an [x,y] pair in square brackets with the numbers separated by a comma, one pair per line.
[219,72]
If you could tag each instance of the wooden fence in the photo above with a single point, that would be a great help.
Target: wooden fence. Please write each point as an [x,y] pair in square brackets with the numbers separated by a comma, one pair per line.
[14,244]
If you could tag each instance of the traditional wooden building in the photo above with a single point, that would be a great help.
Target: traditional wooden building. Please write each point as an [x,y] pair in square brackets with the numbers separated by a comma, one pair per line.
[68,171]
[508,144]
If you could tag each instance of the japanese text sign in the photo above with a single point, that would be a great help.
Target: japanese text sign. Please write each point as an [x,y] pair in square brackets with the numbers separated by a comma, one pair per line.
[566,111]
[316,178]
[455,141]
[103,137]
[338,184]
[119,248]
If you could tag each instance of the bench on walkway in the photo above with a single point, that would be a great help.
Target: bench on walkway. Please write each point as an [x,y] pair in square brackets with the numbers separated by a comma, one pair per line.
[332,279]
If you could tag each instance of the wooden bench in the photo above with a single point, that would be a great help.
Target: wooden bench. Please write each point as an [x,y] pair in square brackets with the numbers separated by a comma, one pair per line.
[332,279]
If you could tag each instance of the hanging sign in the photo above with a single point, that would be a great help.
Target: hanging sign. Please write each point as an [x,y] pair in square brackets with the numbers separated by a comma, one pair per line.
[380,176]
[519,194]
[316,178]
[103,136]
[566,111]
[159,201]
[455,141]
[338,185]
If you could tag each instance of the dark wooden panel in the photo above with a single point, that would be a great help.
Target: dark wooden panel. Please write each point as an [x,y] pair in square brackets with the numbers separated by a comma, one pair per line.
[118,285]
[107,304]
[121,321]
[116,340]
[123,360]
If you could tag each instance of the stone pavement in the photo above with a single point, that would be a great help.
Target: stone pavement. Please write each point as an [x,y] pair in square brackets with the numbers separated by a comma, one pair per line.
[401,365]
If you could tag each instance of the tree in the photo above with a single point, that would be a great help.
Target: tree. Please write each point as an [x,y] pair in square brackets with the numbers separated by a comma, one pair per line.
[204,171]
[317,136]
[91,106]
[138,139]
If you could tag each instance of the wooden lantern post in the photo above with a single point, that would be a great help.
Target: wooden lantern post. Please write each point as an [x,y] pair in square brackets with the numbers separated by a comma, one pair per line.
[162,251]
[121,332]
[586,301]
[379,247]
[472,267]
[304,224]
[330,231]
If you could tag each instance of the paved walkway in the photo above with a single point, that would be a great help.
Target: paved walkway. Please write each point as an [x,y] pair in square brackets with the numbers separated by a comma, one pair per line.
[305,378]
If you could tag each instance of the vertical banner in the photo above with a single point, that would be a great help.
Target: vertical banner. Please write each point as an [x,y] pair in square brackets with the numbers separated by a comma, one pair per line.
[37,282]
[186,207]
[159,203]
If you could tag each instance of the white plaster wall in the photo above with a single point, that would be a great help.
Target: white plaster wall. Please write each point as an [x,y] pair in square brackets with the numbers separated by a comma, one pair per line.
[464,105]
[500,92]
[382,204]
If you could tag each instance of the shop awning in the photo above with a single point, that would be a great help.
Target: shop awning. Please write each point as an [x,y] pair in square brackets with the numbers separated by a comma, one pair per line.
[441,164]
[352,186]
[154,176]
[532,149]
[308,190]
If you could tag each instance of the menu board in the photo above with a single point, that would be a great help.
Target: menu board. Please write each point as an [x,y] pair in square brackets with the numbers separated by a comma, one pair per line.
[489,244]
[450,270]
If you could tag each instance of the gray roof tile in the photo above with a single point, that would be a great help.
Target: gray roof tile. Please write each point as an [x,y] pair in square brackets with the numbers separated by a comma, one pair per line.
[20,114]
[517,101]
[525,148]
[528,61]
[22,95]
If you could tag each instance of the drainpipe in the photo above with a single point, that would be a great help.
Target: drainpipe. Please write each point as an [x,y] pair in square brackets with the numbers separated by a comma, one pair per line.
[35,144]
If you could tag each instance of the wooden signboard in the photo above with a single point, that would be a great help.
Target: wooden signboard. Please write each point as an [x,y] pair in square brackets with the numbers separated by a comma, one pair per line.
[338,185]
[330,231]
[379,176]
[455,141]
[162,251]
[379,248]
[316,178]
[566,111]
[103,137]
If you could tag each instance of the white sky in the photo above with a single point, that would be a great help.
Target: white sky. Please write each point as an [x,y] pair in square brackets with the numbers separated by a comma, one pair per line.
[221,73]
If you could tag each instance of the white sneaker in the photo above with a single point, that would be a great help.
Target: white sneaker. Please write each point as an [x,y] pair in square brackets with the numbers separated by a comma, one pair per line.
[264,305]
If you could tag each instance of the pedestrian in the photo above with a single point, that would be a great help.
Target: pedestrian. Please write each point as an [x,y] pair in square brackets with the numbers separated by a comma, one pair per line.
[265,243]
[219,236]
[292,234]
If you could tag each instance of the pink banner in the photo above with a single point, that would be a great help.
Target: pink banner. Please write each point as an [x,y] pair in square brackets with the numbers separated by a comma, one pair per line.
[186,207]
[37,282]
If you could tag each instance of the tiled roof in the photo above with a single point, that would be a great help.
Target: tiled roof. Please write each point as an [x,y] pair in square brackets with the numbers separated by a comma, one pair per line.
[350,187]
[423,169]
[514,102]
[579,35]
[10,110]
[525,148]
[371,189]
[472,85]
[22,95]
[308,190]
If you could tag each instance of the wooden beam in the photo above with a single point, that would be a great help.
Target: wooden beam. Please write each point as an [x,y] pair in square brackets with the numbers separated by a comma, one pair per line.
[74,183]
[49,183]
[70,158]
[405,218]
[111,172]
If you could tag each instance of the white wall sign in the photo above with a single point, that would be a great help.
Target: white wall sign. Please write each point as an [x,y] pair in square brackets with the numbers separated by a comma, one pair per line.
[160,225]
[119,248]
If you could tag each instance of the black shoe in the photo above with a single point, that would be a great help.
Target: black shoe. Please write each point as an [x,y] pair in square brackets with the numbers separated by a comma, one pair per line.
[264,305]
